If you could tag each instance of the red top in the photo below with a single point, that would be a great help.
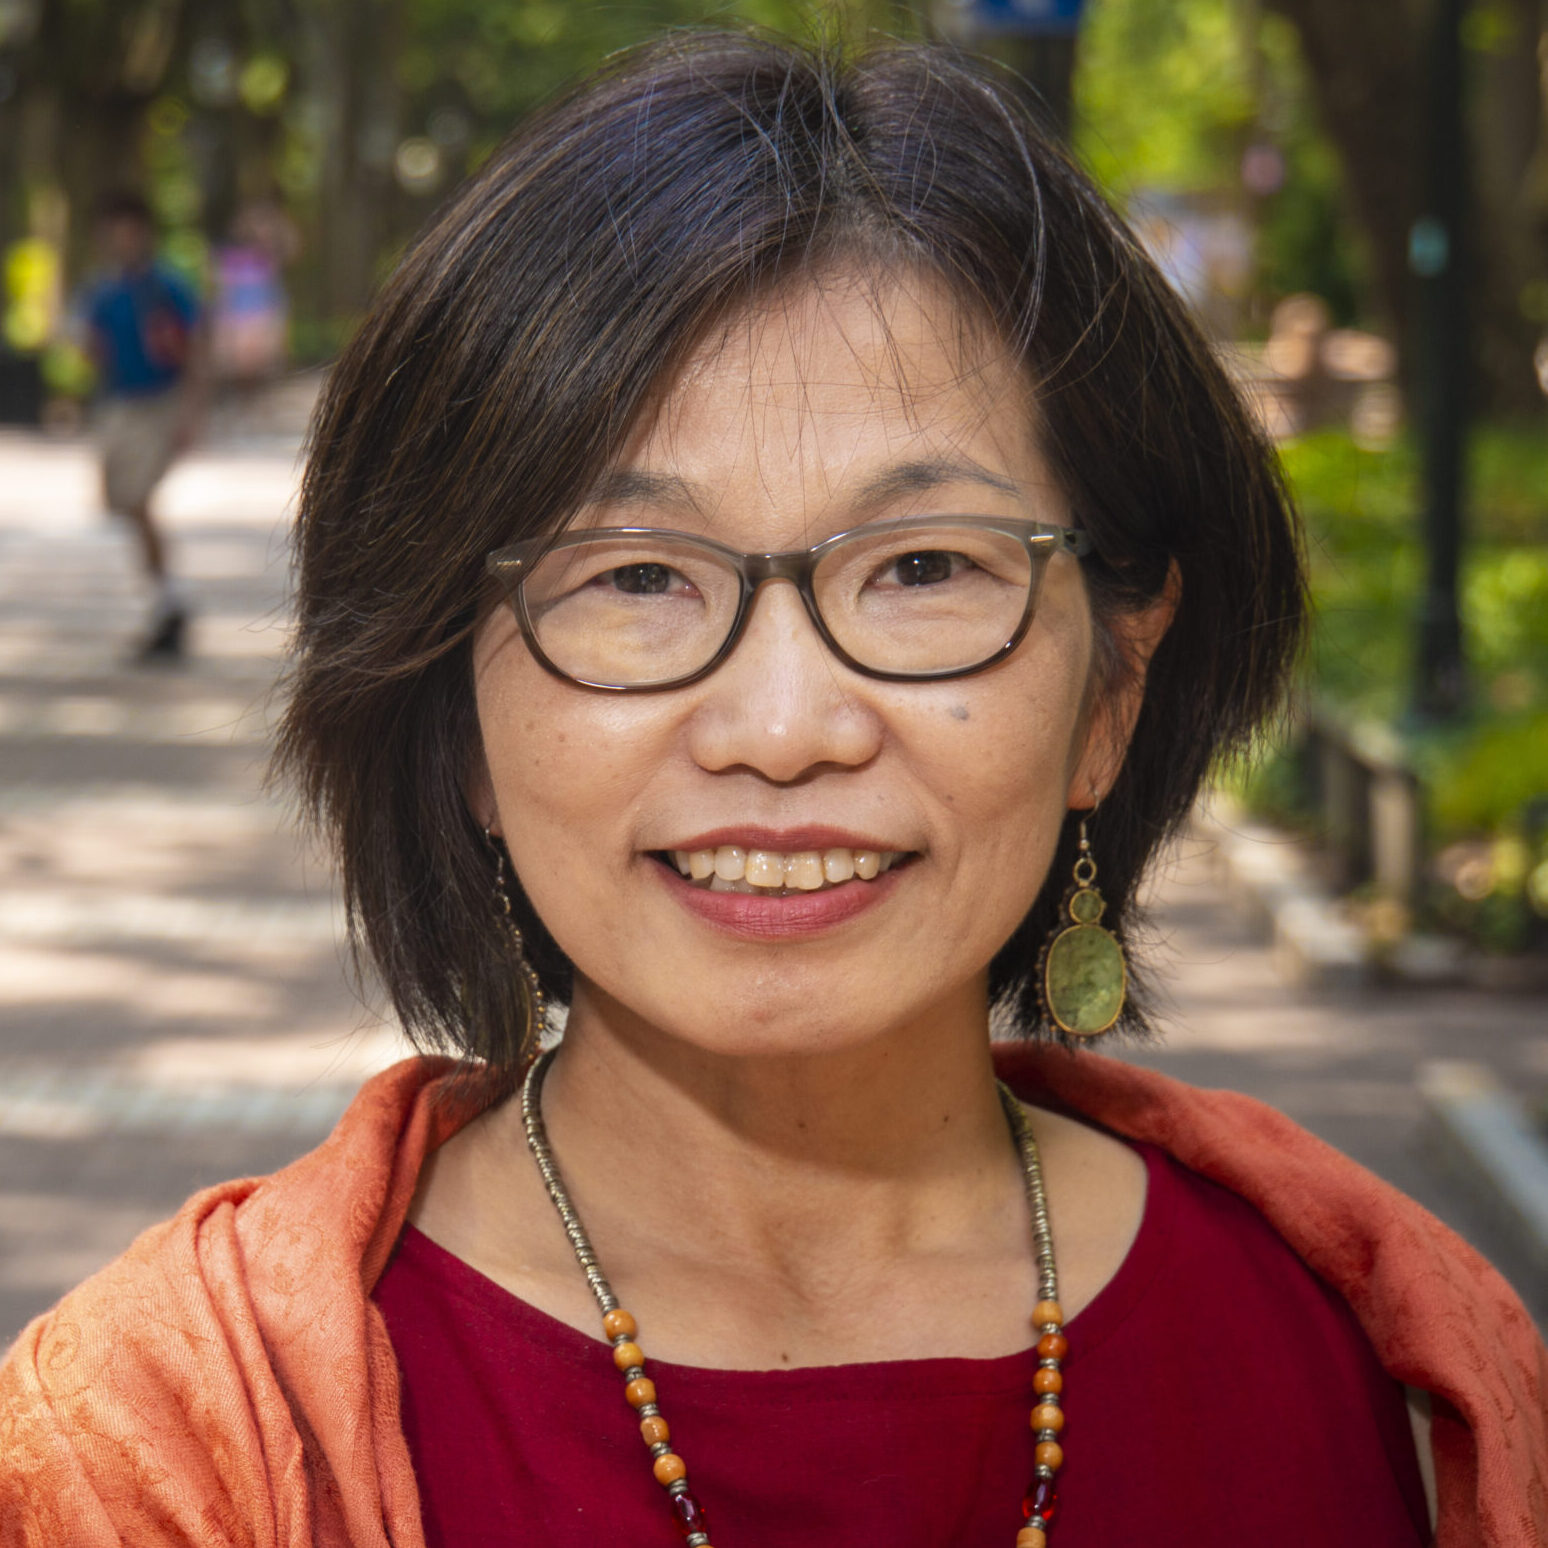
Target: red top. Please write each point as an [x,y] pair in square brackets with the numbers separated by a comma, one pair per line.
[1217,1394]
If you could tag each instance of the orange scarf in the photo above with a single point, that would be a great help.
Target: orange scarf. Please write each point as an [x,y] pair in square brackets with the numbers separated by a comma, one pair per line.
[228,1381]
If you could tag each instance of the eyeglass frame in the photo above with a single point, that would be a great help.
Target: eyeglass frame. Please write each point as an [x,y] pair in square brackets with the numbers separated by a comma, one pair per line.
[796,565]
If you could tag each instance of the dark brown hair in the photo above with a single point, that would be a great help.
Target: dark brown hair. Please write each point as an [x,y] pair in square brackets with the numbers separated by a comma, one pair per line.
[123,204]
[524,334]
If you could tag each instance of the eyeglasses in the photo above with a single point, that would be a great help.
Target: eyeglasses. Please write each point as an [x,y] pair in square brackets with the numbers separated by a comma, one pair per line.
[639,608]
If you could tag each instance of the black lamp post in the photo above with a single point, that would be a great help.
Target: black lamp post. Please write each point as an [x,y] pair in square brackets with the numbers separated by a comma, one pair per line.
[1443,367]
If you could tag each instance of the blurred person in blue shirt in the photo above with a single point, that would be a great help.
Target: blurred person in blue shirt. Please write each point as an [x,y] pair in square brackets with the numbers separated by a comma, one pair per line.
[146,339]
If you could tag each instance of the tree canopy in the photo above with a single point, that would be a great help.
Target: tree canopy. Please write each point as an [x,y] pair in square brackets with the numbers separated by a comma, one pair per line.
[357,115]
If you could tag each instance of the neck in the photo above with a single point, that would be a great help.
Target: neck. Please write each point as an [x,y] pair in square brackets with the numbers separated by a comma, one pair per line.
[868,1144]
[854,1203]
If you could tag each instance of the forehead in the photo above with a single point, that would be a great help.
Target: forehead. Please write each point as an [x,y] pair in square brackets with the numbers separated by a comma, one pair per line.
[832,401]
[895,334]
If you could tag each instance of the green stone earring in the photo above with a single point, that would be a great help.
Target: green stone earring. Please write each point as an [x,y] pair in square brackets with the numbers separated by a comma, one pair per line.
[1083,975]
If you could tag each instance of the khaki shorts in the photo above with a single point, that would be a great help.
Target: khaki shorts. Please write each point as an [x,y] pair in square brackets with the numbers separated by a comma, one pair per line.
[138,441]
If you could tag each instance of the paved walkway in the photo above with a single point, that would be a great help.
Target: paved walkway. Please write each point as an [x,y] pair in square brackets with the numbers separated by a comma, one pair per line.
[174,1008]
[1344,1064]
[173,1004]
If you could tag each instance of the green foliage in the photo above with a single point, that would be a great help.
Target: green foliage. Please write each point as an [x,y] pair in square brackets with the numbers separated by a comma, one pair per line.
[1170,94]
[501,57]
[1306,241]
[68,371]
[1485,779]
[1367,566]
[1272,780]
[211,108]
[1164,94]
[1495,890]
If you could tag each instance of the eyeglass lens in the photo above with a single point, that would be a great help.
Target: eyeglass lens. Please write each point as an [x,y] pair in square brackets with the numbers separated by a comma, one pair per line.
[632,611]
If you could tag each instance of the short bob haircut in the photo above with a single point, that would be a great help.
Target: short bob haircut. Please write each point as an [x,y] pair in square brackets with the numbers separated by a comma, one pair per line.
[531,327]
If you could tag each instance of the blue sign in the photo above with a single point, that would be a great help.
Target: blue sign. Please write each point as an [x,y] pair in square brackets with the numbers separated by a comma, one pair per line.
[1024,16]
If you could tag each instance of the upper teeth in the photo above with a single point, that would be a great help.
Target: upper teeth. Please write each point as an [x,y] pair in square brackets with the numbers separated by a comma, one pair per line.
[804,871]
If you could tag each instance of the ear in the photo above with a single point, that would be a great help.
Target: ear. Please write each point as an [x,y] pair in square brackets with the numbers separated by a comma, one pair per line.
[1115,702]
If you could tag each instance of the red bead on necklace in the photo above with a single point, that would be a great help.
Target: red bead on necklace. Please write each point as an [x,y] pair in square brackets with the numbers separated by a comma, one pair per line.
[671,1472]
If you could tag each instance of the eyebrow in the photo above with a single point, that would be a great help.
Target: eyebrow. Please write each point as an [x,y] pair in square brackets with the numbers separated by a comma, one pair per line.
[633,486]
[630,486]
[927,473]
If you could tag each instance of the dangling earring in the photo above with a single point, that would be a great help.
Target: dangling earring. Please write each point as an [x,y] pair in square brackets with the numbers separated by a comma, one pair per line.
[537,1001]
[1083,976]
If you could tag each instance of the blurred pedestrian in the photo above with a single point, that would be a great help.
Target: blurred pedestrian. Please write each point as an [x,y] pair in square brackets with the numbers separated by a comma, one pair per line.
[144,321]
[249,310]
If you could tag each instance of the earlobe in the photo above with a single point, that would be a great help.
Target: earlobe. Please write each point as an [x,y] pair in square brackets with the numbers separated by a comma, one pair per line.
[1110,724]
[1107,740]
[478,792]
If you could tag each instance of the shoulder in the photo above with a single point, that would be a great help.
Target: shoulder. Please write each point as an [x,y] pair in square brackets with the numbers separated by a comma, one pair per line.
[1254,1283]
[1252,1274]
[98,296]
[1438,1316]
[108,1405]
[185,1392]
[1351,1227]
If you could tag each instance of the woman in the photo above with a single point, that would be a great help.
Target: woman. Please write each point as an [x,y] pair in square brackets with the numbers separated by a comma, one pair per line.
[773,566]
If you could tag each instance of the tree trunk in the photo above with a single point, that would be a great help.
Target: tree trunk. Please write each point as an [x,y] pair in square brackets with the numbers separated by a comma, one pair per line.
[1364,63]
[353,46]
[1511,245]
[1363,60]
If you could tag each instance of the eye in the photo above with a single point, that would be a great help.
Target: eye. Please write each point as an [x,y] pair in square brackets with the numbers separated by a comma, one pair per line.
[925,567]
[645,579]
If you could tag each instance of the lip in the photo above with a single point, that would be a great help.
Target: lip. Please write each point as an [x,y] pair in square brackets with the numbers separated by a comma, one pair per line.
[748,917]
[787,841]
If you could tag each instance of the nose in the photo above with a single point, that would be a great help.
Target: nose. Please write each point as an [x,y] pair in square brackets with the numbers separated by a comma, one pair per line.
[782,705]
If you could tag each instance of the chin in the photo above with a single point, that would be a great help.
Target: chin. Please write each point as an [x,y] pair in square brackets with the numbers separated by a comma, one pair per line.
[773,1013]
[784,1037]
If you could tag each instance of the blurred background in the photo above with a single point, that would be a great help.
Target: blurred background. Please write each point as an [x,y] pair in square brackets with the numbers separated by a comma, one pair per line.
[1353,197]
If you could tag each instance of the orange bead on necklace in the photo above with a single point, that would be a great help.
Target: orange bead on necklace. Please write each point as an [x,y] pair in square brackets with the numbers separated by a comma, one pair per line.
[671,1471]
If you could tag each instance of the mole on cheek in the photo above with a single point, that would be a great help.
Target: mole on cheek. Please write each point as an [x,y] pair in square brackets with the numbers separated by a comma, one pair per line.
[959,712]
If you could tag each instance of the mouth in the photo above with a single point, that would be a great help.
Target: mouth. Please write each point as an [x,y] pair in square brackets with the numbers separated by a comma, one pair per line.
[771,873]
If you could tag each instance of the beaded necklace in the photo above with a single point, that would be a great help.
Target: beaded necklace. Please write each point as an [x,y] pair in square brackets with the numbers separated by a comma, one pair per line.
[671,1471]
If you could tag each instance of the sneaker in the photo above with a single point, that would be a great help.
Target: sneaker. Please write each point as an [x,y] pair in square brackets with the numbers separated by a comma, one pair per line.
[165,640]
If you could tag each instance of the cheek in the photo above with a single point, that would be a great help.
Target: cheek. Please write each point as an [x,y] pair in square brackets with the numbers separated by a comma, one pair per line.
[549,776]
[529,751]
[1008,783]
[1020,737]
[552,814]
[1001,758]
[534,733]
[568,774]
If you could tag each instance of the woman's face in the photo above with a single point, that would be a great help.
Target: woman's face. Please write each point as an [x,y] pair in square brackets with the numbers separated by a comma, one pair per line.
[830,407]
